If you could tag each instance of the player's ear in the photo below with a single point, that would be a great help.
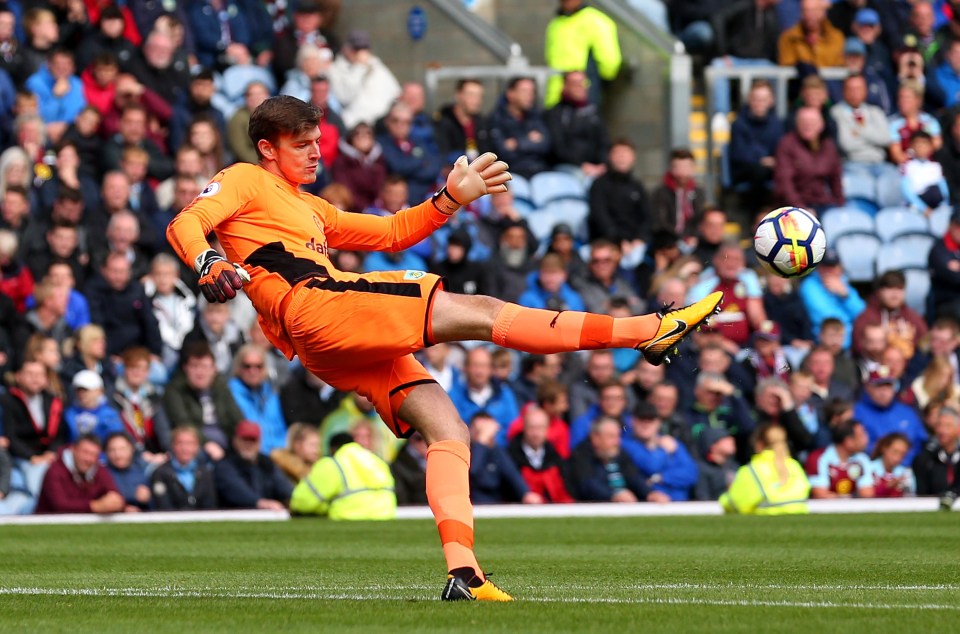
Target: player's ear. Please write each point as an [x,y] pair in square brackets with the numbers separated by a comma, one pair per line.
[266,149]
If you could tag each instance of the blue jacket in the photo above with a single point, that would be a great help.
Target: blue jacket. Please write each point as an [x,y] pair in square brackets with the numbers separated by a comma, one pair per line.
[529,157]
[678,472]
[420,167]
[128,480]
[537,297]
[53,108]
[822,304]
[205,27]
[78,310]
[493,476]
[580,427]
[947,83]
[898,417]
[502,406]
[752,138]
[240,484]
[262,406]
[101,421]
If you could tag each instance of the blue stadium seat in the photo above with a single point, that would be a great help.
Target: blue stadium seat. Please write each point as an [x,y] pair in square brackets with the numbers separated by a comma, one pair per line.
[550,186]
[572,212]
[940,219]
[898,257]
[892,222]
[524,206]
[858,254]
[541,223]
[916,246]
[918,289]
[842,221]
[520,187]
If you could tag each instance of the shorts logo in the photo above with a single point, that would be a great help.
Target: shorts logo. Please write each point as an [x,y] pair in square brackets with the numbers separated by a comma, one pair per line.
[210,190]
[413,275]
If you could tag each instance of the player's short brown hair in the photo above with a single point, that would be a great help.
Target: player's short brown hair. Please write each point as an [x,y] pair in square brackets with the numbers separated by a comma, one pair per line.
[281,115]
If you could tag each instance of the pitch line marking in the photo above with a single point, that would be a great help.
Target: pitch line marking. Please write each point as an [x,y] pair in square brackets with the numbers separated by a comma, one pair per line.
[342,594]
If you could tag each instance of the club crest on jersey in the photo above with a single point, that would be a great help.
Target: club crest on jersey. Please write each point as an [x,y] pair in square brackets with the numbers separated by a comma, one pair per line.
[413,275]
[210,190]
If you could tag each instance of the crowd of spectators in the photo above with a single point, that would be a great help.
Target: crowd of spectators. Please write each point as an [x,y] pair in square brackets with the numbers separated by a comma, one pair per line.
[124,392]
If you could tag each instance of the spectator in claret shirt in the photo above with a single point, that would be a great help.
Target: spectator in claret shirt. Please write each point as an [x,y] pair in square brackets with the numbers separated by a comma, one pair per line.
[892,478]
[809,171]
[76,483]
[360,165]
[842,469]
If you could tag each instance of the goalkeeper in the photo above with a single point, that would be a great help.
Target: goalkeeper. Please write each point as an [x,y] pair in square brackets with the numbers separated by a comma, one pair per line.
[359,332]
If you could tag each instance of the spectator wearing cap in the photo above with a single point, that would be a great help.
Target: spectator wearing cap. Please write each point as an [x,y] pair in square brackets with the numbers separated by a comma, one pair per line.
[246,478]
[462,274]
[362,84]
[881,413]
[937,465]
[91,412]
[517,130]
[716,466]
[863,137]
[538,459]
[855,61]
[867,27]
[197,103]
[307,27]
[578,133]
[842,469]
[661,459]
[547,288]
[185,481]
[944,262]
[619,209]
[909,120]
[563,242]
[59,92]
[716,406]
[887,307]
[813,40]
[943,89]
[600,471]
[753,142]
[827,294]
[76,483]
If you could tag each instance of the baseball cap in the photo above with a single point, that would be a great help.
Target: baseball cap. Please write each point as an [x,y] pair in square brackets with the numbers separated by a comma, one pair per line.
[358,39]
[769,330]
[461,237]
[561,229]
[87,380]
[708,437]
[715,383]
[867,17]
[645,411]
[853,46]
[247,430]
[830,258]
[881,375]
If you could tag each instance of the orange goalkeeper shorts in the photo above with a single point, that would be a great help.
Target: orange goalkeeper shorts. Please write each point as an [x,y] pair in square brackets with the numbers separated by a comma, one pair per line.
[359,333]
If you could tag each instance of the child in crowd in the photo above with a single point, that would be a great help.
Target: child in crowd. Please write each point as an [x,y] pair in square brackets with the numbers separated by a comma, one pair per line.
[90,413]
[922,182]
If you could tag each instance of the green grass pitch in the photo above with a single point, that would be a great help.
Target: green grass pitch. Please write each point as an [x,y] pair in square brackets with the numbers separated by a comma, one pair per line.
[851,573]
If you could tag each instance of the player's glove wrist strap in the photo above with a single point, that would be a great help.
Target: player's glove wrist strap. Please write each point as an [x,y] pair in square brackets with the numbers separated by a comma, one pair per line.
[445,203]
[206,260]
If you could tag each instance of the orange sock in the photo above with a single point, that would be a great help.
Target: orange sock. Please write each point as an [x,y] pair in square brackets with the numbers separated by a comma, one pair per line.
[547,331]
[448,493]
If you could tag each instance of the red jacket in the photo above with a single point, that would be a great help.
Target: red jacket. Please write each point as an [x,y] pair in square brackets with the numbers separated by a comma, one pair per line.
[100,97]
[66,491]
[873,314]
[558,434]
[17,284]
[805,177]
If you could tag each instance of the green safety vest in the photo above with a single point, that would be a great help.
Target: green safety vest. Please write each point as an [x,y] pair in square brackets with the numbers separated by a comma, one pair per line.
[757,490]
[353,484]
[572,39]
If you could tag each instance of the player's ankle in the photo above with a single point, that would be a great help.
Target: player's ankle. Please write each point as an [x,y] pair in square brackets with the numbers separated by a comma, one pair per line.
[471,576]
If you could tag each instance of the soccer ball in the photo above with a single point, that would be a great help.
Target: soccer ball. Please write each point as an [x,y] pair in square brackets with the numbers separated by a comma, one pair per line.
[790,241]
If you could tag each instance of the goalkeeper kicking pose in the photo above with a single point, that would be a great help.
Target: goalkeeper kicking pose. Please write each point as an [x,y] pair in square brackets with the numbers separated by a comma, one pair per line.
[359,332]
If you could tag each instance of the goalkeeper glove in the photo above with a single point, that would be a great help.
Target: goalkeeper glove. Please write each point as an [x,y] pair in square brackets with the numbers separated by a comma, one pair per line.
[219,279]
[467,182]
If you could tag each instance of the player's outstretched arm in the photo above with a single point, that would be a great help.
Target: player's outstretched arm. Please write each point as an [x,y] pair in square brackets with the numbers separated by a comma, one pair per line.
[467,182]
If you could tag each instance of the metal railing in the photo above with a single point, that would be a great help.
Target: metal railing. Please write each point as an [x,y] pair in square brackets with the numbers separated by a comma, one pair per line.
[778,76]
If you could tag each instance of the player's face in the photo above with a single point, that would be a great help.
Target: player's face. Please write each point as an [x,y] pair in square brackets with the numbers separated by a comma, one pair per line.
[298,155]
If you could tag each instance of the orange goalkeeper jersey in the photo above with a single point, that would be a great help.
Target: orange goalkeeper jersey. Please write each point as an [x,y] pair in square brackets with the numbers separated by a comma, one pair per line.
[282,235]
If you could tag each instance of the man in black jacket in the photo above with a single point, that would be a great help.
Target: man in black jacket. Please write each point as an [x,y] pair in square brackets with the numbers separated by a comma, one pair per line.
[185,482]
[409,471]
[577,131]
[306,399]
[518,133]
[944,264]
[119,304]
[248,479]
[458,127]
[618,201]
[937,466]
[598,471]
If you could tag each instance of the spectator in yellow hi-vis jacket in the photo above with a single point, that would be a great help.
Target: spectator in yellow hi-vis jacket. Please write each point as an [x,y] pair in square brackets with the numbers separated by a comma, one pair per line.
[351,484]
[581,38]
[772,483]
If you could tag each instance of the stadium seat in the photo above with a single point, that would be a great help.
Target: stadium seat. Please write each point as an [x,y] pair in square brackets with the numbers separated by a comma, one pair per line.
[892,222]
[858,254]
[917,247]
[896,257]
[520,187]
[918,289]
[842,221]
[232,85]
[551,186]
[541,223]
[572,212]
[939,220]
[524,206]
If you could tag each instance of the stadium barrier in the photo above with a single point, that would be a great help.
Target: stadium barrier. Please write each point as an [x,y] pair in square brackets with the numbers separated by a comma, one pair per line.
[493,511]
